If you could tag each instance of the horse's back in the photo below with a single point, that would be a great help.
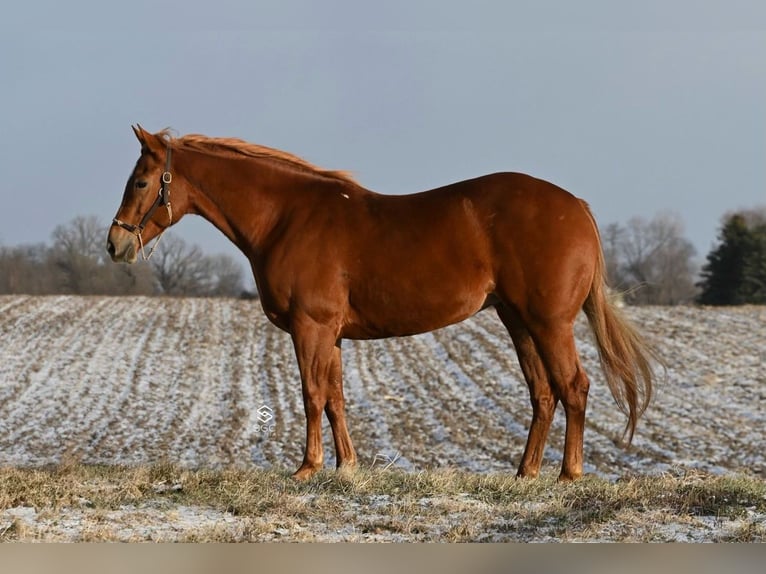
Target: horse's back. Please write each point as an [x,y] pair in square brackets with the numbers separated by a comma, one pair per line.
[426,260]
[496,214]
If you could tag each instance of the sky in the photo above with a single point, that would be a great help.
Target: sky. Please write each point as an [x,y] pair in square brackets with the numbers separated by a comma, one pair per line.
[640,108]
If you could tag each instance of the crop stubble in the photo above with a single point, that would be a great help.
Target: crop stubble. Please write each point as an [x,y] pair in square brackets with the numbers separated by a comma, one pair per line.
[141,380]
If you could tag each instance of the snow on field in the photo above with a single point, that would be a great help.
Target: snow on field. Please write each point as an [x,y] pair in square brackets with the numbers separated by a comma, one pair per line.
[142,380]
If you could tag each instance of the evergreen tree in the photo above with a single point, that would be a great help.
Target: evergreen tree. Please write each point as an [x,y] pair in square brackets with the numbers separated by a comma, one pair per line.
[754,287]
[724,274]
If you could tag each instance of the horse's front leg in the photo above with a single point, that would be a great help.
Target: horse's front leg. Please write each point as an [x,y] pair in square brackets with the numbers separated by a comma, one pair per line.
[318,352]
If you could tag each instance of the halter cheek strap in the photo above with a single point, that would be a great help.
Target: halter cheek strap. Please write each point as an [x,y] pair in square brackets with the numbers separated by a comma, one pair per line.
[163,198]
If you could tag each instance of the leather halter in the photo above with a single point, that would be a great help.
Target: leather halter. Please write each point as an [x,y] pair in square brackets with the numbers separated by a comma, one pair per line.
[163,198]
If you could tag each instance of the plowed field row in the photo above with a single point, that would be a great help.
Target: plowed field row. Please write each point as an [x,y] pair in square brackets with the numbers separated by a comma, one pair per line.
[142,380]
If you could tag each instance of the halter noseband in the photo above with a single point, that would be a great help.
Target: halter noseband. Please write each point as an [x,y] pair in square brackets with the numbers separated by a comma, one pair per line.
[163,198]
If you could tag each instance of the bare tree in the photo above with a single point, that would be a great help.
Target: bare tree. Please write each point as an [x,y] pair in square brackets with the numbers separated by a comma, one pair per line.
[226,277]
[76,262]
[754,217]
[611,238]
[651,260]
[177,266]
[25,269]
[182,269]
[77,253]
[124,280]
[84,235]
[79,264]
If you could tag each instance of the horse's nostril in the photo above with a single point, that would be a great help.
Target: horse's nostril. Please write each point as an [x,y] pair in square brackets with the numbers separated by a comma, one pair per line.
[110,248]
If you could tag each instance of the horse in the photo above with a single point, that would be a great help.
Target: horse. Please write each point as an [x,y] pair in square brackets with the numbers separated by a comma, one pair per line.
[333,260]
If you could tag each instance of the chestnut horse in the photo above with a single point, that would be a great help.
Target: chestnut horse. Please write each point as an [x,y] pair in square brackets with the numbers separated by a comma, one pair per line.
[333,260]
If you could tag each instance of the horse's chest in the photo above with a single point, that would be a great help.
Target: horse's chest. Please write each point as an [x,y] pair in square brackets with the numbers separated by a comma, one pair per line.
[275,301]
[277,314]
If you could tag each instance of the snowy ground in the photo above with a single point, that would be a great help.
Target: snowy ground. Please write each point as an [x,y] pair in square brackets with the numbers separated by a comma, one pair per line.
[143,380]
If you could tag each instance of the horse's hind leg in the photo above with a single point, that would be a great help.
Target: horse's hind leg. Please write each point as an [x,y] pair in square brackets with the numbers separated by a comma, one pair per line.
[540,392]
[555,342]
[336,413]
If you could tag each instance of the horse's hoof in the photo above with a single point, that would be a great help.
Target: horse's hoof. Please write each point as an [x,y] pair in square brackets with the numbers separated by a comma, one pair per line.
[304,473]
[569,477]
[527,474]
[346,470]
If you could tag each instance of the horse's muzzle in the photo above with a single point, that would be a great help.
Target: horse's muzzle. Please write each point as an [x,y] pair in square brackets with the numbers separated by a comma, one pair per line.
[121,246]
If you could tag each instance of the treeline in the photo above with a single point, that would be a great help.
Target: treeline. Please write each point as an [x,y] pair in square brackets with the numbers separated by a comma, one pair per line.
[76,262]
[649,262]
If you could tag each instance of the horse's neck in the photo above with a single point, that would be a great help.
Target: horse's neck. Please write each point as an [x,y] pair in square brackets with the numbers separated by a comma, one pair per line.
[243,204]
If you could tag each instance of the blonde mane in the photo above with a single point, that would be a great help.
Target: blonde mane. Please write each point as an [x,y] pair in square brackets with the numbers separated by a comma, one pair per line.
[238,148]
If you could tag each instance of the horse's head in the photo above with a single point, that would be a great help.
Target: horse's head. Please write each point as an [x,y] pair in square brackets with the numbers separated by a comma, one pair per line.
[145,211]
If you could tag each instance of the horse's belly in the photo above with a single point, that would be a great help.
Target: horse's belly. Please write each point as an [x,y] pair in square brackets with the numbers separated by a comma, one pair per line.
[397,317]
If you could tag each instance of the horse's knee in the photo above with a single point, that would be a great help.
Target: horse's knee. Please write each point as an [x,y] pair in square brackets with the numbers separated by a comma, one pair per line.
[544,406]
[314,404]
[575,394]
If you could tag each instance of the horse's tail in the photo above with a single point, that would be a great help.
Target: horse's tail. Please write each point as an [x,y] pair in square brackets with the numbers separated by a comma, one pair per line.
[626,358]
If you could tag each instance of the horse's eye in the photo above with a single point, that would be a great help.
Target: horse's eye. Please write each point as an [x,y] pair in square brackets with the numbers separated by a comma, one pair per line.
[140,184]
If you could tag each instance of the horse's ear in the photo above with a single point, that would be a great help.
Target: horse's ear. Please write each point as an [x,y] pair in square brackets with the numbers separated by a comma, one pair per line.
[149,141]
[140,134]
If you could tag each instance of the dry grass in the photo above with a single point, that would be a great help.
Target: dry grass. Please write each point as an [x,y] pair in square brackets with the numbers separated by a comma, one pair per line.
[168,503]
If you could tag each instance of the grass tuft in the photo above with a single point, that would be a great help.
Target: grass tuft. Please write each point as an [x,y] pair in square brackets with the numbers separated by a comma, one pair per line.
[167,502]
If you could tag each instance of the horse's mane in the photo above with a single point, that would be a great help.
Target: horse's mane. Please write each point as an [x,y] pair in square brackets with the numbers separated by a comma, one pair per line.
[238,147]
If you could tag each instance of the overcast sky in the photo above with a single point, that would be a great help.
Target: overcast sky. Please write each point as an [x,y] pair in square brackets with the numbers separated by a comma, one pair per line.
[656,106]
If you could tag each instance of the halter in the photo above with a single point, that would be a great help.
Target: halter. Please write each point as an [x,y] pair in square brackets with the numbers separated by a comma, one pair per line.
[163,198]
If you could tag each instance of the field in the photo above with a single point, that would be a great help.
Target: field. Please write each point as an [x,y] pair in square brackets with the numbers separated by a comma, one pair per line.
[146,418]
